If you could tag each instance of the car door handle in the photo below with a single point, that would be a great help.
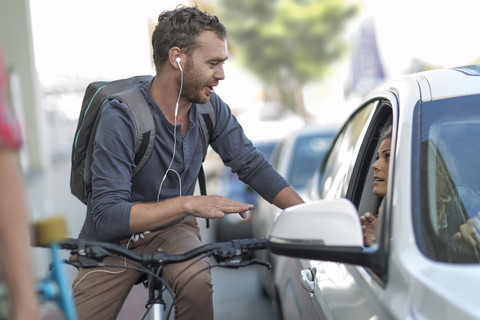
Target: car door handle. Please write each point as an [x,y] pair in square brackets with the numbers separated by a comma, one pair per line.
[308,279]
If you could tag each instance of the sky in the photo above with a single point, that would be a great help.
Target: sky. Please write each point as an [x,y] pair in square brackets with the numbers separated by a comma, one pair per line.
[111,38]
[437,31]
[94,38]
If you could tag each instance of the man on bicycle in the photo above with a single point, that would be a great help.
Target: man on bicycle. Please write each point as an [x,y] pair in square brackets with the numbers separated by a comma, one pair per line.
[156,208]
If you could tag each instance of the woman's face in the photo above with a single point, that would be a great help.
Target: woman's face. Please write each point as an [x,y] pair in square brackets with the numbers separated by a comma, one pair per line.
[380,168]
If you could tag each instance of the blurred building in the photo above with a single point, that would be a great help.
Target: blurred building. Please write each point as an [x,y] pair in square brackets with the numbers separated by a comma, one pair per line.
[366,66]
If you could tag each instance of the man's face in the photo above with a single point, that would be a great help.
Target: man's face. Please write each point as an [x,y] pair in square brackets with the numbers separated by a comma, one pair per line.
[204,68]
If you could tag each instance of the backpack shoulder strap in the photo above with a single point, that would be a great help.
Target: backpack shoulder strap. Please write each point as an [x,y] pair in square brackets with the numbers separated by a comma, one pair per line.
[206,120]
[144,124]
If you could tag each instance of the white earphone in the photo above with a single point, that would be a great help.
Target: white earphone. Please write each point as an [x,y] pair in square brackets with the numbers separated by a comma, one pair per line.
[177,59]
[178,62]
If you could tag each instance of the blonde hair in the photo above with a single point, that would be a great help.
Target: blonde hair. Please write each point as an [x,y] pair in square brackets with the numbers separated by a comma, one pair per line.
[386,134]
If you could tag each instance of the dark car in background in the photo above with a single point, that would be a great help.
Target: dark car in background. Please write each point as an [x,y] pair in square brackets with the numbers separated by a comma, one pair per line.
[233,226]
[296,157]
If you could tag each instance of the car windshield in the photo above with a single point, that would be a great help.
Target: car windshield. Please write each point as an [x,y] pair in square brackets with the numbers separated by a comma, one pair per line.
[449,193]
[308,153]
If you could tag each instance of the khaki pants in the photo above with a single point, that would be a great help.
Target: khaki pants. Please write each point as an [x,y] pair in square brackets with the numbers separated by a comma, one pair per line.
[100,293]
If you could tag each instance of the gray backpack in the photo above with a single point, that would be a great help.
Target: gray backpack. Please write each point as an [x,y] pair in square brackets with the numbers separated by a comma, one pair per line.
[96,96]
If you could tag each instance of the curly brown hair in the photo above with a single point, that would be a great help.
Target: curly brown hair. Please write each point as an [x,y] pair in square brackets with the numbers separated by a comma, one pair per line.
[180,28]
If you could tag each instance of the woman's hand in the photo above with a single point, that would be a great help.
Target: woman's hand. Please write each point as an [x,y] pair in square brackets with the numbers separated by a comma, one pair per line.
[467,232]
[368,222]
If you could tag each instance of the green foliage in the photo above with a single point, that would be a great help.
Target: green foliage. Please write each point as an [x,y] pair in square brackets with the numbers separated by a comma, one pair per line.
[286,41]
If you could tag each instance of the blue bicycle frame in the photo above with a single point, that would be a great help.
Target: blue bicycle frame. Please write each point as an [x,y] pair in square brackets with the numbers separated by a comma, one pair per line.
[55,286]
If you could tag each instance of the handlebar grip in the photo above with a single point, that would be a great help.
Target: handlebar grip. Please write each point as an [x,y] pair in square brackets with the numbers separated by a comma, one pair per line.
[98,250]
[69,244]
[254,243]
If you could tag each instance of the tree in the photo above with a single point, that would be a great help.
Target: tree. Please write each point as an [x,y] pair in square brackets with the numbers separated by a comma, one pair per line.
[286,43]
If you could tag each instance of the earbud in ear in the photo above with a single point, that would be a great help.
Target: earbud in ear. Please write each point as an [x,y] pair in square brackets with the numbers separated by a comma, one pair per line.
[179,65]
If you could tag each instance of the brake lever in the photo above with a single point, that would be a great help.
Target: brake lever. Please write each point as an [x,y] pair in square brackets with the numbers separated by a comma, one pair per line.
[88,257]
[84,262]
[235,257]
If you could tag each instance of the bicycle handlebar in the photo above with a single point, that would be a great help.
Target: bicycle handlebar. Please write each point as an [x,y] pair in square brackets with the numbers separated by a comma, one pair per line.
[223,252]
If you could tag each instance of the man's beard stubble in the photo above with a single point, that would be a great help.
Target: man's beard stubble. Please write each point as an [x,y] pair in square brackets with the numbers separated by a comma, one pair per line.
[193,86]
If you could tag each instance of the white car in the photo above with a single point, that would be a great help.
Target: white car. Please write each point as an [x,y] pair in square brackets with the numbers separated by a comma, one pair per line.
[421,266]
[295,157]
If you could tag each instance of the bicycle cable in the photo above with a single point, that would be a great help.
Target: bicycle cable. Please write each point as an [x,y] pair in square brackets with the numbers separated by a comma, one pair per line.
[105,271]
[191,264]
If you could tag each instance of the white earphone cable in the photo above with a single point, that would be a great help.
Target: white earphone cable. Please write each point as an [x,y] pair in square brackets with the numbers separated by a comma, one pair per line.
[174,140]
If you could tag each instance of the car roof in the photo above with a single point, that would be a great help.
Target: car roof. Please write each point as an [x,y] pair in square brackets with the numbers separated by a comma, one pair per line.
[438,84]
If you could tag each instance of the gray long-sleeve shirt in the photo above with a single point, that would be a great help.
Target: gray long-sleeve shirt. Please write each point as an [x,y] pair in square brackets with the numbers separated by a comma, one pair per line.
[113,189]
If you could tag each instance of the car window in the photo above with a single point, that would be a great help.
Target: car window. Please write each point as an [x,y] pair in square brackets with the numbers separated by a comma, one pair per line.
[307,154]
[338,167]
[448,197]
[362,183]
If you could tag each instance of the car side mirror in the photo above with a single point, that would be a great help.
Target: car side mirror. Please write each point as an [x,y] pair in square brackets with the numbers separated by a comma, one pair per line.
[319,230]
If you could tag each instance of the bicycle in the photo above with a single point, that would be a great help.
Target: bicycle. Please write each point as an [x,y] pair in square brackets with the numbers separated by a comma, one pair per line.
[54,286]
[230,254]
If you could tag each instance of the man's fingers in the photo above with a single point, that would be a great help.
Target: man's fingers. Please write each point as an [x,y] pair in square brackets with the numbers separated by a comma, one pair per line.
[220,206]
[238,207]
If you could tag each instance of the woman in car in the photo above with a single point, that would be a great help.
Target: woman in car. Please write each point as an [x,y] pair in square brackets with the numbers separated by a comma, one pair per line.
[380,175]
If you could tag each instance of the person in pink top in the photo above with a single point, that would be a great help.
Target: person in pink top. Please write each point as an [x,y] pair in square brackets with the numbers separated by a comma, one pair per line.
[15,262]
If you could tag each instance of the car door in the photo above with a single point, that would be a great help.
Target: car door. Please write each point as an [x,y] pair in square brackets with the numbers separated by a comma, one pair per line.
[343,291]
[301,283]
